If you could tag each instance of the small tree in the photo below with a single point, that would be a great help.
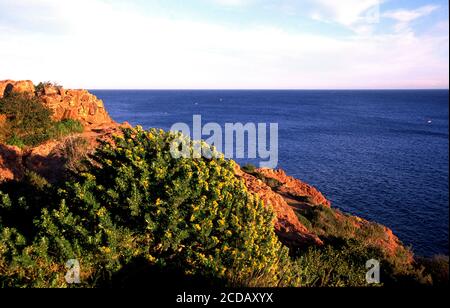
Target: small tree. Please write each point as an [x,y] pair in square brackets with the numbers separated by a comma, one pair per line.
[28,120]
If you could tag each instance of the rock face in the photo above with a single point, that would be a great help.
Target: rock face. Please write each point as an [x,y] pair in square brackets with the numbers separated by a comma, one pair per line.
[10,163]
[294,187]
[47,159]
[287,226]
[10,86]
[293,195]
[75,104]
[287,196]
[66,104]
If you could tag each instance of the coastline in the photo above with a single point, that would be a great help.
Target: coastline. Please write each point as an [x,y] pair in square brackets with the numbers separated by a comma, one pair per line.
[303,216]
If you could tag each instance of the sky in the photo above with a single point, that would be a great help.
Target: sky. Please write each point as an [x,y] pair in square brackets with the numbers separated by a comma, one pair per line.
[227,44]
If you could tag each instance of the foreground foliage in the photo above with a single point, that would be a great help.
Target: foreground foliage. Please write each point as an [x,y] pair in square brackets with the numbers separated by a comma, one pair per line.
[355,243]
[132,215]
[138,210]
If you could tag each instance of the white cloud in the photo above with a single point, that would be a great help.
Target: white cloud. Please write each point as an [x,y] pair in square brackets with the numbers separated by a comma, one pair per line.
[234,3]
[106,47]
[346,12]
[410,15]
[405,17]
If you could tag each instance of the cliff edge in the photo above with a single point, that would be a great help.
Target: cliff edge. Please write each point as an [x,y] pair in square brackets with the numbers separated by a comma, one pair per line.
[65,104]
[47,158]
[304,216]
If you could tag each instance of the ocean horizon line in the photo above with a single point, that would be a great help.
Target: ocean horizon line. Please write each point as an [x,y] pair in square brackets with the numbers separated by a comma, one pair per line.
[250,89]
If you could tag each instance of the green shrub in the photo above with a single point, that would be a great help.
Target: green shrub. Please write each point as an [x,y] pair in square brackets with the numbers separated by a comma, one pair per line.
[326,222]
[40,87]
[28,122]
[28,119]
[304,199]
[332,223]
[437,268]
[75,150]
[35,180]
[271,182]
[135,215]
[249,168]
[137,207]
[343,264]
[364,240]
[15,141]
[64,128]
[305,221]
[332,266]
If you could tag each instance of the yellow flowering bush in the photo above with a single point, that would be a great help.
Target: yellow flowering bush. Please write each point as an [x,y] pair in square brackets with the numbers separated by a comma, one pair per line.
[135,201]
[199,215]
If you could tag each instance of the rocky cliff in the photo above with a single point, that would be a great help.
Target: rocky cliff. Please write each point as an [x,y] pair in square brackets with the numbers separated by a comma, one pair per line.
[65,104]
[290,198]
[11,86]
[46,159]
[289,229]
[295,188]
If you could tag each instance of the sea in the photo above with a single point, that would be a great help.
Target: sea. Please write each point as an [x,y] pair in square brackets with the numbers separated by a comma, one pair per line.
[379,154]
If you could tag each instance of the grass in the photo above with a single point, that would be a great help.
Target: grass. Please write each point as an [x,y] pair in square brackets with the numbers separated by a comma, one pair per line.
[16,141]
[26,121]
[249,168]
[252,170]
[57,130]
[305,221]
[331,223]
[75,150]
[64,128]
[334,266]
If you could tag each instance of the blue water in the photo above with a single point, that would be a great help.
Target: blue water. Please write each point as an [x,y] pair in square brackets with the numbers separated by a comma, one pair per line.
[372,153]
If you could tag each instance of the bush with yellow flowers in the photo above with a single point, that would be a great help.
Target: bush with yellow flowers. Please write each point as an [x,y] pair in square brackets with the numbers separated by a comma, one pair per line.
[139,210]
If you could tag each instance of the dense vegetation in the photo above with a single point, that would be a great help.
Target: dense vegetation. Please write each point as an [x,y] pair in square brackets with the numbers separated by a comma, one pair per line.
[27,122]
[139,207]
[352,241]
[133,215]
[349,244]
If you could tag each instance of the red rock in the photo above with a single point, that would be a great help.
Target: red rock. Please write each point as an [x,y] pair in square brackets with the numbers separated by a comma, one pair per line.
[2,119]
[75,104]
[46,160]
[92,109]
[85,98]
[10,163]
[126,125]
[65,104]
[287,226]
[295,187]
[51,90]
[24,86]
